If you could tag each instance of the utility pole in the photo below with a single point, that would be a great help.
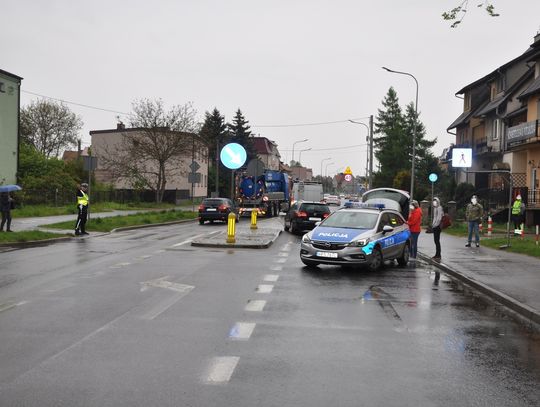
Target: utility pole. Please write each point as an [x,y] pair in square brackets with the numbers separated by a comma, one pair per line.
[370,183]
[217,168]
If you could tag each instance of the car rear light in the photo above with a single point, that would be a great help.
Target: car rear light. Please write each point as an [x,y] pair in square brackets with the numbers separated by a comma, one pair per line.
[325,215]
[223,208]
[300,214]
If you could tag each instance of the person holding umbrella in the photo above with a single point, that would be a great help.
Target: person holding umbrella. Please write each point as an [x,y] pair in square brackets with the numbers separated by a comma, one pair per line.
[82,209]
[6,202]
[6,205]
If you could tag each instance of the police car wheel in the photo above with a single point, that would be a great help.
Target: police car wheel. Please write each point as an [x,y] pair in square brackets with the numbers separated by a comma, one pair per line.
[310,263]
[404,259]
[294,230]
[377,260]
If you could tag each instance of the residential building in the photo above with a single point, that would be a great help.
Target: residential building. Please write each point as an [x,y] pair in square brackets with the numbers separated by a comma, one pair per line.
[108,144]
[500,124]
[267,152]
[10,100]
[301,173]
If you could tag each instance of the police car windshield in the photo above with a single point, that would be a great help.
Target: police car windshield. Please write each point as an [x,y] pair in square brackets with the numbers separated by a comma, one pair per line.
[351,220]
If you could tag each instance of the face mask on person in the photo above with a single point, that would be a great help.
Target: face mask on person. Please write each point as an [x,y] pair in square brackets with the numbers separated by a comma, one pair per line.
[411,207]
[474,201]
[435,204]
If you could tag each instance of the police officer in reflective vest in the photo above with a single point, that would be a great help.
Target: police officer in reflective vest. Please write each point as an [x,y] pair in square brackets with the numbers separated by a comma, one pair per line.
[518,210]
[82,208]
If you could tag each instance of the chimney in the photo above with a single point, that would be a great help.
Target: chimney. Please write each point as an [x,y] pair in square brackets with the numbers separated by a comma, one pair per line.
[120,126]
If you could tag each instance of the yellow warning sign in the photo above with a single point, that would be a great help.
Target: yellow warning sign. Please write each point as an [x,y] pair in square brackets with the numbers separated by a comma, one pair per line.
[347,171]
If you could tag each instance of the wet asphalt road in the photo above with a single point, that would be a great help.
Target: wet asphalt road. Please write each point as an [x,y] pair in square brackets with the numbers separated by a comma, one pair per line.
[141,318]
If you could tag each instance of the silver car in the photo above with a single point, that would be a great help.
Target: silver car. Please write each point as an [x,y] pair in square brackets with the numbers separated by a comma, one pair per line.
[364,236]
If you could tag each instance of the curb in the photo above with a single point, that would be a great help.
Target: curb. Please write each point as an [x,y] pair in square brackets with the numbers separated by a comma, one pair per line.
[239,245]
[505,300]
[151,225]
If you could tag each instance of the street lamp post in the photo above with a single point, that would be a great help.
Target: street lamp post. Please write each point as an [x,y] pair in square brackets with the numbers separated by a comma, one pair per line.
[300,154]
[326,169]
[296,142]
[325,159]
[415,125]
[369,140]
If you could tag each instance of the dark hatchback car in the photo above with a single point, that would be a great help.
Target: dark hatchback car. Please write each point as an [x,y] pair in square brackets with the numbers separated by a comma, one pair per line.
[304,215]
[212,209]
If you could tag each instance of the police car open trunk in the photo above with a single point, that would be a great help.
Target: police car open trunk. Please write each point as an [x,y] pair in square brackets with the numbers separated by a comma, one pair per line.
[391,199]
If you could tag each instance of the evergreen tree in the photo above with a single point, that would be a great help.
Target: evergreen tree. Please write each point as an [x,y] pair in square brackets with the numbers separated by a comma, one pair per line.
[390,151]
[240,133]
[214,132]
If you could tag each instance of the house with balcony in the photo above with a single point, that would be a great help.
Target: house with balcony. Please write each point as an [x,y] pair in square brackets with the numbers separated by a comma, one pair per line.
[500,124]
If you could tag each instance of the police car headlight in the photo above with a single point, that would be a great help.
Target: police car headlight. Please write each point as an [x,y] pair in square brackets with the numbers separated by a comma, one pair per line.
[306,239]
[359,243]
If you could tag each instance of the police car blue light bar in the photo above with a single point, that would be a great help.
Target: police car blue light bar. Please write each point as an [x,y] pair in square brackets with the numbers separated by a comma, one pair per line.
[364,205]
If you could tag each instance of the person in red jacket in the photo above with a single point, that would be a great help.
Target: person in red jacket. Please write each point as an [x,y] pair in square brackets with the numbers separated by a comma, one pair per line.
[414,222]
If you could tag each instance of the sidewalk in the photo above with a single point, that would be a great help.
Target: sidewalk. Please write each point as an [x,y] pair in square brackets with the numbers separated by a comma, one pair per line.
[21,224]
[509,278]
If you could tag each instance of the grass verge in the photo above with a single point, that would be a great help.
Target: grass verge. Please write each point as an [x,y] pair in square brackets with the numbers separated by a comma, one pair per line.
[27,236]
[517,245]
[113,222]
[28,211]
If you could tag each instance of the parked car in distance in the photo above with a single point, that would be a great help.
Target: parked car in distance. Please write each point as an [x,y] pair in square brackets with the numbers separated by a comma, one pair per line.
[304,215]
[361,236]
[212,209]
[332,200]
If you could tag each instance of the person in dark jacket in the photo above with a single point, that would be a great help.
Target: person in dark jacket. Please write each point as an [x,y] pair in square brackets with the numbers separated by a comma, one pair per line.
[5,206]
[473,215]
[82,209]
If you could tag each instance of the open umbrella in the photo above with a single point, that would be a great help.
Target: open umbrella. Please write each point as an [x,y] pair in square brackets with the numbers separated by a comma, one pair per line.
[9,188]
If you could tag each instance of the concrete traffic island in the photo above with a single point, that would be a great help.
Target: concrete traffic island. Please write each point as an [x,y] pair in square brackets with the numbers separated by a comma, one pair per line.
[260,238]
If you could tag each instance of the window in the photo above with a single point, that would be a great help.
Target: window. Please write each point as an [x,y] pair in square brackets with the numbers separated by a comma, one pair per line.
[467,102]
[497,129]
[501,83]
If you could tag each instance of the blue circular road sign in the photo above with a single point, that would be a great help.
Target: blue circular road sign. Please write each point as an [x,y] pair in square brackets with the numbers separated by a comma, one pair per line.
[433,177]
[233,156]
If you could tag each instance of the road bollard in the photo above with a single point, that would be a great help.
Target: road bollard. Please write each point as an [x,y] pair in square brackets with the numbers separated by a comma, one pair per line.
[253,220]
[490,227]
[231,228]
[481,228]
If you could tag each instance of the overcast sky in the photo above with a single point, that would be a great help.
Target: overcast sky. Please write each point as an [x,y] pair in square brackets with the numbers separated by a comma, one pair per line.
[282,62]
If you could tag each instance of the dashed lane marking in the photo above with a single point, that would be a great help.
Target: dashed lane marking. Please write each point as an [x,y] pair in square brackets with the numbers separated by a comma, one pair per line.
[242,331]
[9,305]
[283,254]
[221,369]
[271,277]
[119,265]
[265,288]
[255,305]
[280,260]
[276,268]
[194,237]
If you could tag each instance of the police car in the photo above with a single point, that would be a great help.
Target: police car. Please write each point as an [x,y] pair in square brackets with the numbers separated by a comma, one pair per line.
[363,235]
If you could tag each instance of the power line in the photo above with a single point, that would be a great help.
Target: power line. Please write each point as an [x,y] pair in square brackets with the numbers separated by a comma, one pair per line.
[75,103]
[331,149]
[309,124]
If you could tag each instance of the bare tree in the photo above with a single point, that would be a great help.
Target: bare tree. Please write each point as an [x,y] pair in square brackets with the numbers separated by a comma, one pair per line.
[49,126]
[158,146]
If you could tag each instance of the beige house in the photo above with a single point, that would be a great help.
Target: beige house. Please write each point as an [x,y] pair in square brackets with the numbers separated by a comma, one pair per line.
[500,118]
[267,152]
[108,144]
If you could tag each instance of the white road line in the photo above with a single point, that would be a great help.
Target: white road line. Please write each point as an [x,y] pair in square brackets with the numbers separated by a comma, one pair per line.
[255,305]
[194,237]
[221,369]
[119,265]
[9,305]
[160,251]
[286,248]
[271,277]
[276,268]
[280,260]
[163,305]
[283,254]
[265,288]
[242,331]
